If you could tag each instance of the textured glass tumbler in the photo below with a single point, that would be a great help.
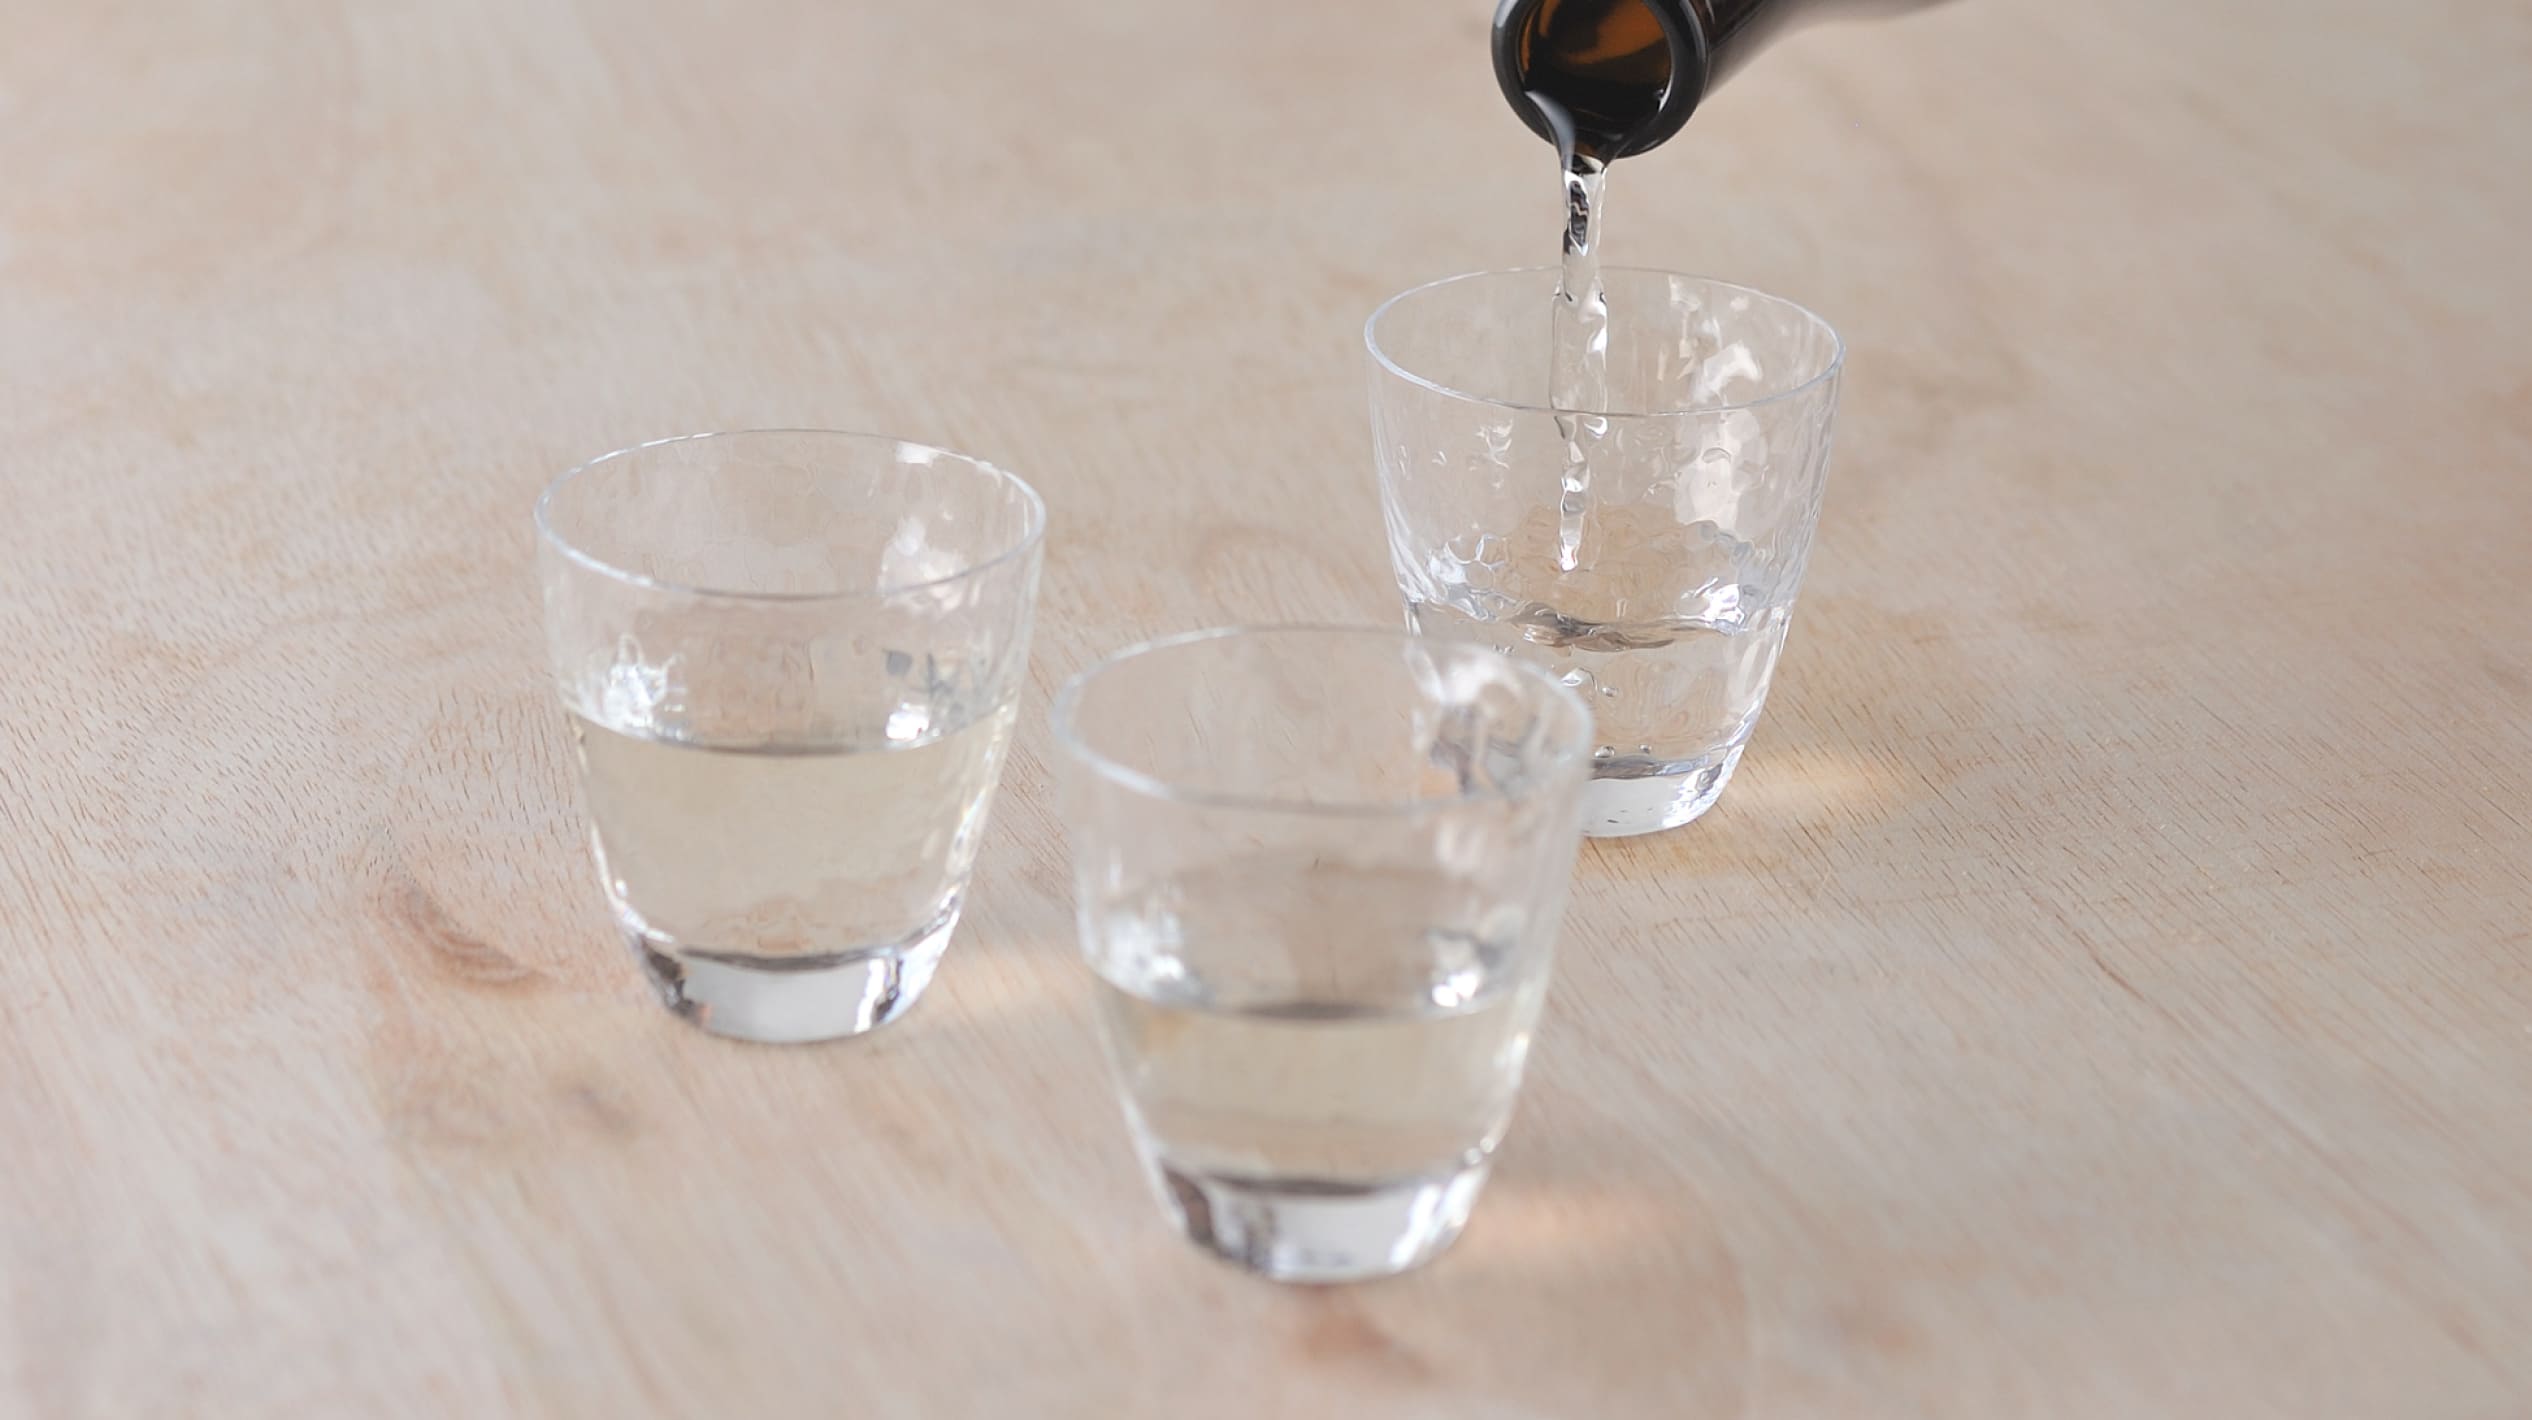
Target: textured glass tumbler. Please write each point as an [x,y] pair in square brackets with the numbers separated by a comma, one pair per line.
[790,661]
[1319,874]
[1646,554]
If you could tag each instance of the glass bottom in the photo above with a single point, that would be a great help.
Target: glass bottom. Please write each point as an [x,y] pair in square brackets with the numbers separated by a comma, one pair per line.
[1318,1231]
[1649,803]
[791,1000]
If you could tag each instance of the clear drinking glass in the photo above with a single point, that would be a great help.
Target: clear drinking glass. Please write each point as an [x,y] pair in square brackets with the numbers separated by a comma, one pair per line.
[1661,583]
[790,661]
[1319,874]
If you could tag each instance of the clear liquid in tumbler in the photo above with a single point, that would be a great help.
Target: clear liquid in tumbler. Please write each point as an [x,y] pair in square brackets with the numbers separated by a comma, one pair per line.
[1671,632]
[1307,1052]
[785,858]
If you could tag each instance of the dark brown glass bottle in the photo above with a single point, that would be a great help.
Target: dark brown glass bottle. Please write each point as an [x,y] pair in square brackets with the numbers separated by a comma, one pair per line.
[1620,76]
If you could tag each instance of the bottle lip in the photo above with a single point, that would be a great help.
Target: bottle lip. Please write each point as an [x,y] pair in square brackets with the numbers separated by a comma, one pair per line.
[1691,65]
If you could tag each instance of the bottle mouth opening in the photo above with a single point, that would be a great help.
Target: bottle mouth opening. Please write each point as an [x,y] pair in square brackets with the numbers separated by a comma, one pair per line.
[1689,71]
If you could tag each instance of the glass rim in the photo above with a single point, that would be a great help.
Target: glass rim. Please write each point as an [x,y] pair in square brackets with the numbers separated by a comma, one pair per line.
[1826,372]
[1032,533]
[1064,721]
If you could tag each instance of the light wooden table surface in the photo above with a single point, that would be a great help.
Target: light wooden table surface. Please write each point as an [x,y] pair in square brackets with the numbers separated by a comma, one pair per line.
[2104,993]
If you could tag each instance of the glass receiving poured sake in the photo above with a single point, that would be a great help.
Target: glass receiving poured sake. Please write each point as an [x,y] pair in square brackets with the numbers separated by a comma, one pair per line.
[1639,530]
[790,662]
[1319,875]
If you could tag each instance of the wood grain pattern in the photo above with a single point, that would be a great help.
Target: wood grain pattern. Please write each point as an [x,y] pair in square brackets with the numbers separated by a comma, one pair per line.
[2106,992]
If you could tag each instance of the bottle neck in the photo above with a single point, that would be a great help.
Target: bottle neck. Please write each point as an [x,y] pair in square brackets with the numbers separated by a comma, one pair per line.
[1626,74]
[1736,30]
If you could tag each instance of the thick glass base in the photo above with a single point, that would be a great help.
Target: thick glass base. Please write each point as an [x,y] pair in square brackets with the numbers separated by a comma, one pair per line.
[1313,1230]
[1649,803]
[790,1000]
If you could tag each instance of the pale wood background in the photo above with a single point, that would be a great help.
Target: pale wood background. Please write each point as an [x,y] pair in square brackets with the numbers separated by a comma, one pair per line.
[2105,992]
